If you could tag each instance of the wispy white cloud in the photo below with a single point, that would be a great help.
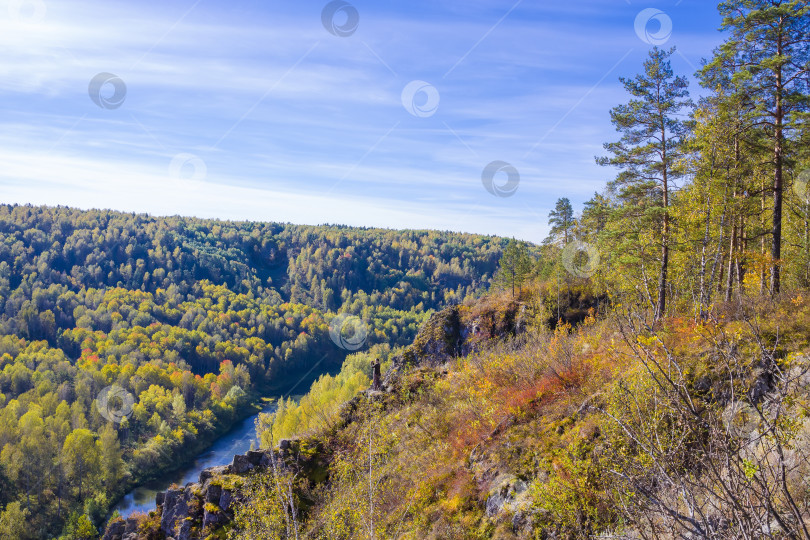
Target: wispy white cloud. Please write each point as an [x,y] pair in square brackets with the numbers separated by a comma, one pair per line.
[282,112]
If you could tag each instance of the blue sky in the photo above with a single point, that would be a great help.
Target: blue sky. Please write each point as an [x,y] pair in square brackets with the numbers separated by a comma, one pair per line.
[254,110]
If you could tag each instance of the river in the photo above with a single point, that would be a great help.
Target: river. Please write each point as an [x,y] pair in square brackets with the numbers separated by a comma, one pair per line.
[221,452]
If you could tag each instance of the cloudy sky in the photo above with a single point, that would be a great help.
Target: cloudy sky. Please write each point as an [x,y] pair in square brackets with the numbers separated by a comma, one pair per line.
[375,113]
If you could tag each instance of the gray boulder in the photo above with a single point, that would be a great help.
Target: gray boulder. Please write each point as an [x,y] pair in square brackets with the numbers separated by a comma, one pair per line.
[241,464]
[226,500]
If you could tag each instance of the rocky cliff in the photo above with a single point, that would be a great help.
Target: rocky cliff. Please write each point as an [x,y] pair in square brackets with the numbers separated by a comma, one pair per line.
[185,512]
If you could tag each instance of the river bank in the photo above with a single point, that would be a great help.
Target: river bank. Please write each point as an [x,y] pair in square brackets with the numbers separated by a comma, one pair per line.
[219,451]
[237,440]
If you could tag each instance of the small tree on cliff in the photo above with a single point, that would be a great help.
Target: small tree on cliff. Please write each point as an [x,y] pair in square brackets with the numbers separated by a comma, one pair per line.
[562,220]
[515,266]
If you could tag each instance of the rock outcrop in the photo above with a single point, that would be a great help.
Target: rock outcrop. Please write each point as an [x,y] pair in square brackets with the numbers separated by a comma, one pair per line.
[193,511]
[121,529]
[456,331]
[187,512]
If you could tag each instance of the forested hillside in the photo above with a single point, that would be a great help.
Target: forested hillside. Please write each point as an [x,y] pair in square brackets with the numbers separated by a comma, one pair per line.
[128,341]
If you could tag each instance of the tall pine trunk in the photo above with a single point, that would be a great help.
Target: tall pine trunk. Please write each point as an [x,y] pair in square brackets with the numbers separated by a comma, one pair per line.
[743,243]
[776,248]
[662,280]
[763,251]
[731,251]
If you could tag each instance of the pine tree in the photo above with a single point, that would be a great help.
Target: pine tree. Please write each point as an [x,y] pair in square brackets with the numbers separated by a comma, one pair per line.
[561,219]
[647,154]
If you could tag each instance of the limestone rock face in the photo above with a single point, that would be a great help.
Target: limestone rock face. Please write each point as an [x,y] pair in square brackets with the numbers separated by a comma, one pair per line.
[195,510]
[456,331]
[121,529]
[225,500]
[213,518]
[212,493]
[207,474]
[241,464]
[176,520]
[506,497]
[507,494]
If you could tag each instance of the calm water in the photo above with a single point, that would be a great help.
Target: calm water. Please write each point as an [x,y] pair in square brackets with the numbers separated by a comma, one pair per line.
[221,452]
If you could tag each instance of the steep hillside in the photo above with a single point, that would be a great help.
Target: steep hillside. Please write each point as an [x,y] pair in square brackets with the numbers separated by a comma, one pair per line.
[489,426]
